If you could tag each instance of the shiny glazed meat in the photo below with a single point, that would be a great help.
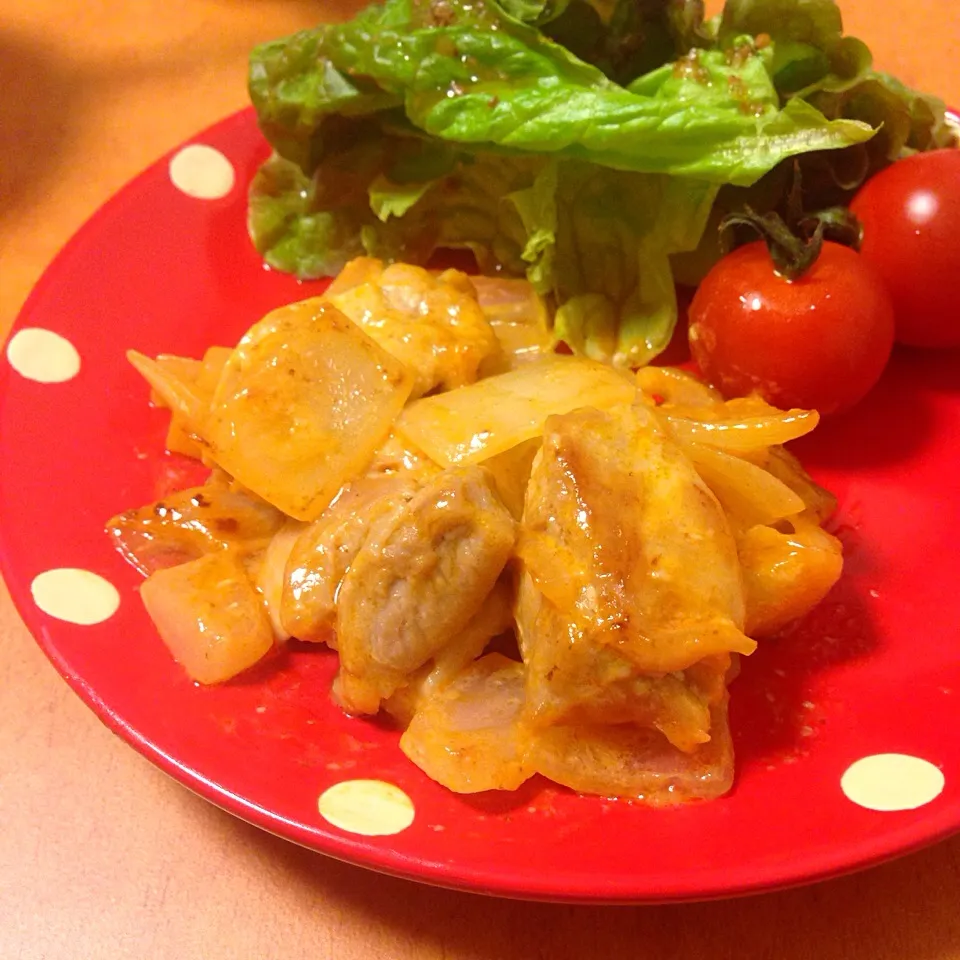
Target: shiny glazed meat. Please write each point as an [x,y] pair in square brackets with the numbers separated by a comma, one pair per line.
[631,577]
[419,578]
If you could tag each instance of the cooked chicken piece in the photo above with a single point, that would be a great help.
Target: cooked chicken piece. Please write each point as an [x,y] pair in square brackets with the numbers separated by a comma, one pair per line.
[631,579]
[468,735]
[194,522]
[323,552]
[596,684]
[431,324]
[422,574]
[494,617]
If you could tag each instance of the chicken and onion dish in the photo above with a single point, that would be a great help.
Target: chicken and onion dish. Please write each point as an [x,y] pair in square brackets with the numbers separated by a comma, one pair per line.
[535,563]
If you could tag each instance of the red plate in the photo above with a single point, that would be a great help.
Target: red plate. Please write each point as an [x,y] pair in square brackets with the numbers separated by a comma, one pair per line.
[875,670]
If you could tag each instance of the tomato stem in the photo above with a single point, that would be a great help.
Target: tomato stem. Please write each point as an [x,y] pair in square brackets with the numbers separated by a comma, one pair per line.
[795,250]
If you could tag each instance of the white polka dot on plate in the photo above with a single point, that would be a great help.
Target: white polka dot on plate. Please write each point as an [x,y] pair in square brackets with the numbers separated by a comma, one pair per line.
[371,808]
[892,781]
[202,172]
[75,595]
[43,355]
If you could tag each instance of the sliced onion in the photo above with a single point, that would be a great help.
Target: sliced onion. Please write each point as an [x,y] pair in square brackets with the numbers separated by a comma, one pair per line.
[747,492]
[743,426]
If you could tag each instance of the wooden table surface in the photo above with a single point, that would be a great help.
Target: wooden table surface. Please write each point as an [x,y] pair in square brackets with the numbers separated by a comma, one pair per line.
[101,855]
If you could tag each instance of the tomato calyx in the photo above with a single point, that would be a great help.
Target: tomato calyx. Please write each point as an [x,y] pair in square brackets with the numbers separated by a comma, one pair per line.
[795,248]
[795,239]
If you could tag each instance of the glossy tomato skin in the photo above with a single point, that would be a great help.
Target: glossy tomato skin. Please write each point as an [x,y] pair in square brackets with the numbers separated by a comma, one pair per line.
[911,233]
[819,342]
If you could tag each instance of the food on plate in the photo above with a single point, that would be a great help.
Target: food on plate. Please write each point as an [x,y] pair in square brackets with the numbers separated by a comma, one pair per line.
[633,761]
[520,321]
[592,147]
[910,214]
[306,389]
[631,601]
[186,387]
[546,565]
[186,525]
[422,574]
[787,568]
[432,324]
[499,413]
[820,340]
[493,619]
[630,571]
[210,614]
[321,553]
[469,735]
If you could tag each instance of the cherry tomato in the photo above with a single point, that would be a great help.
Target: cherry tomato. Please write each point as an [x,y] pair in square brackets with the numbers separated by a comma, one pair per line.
[819,342]
[911,223]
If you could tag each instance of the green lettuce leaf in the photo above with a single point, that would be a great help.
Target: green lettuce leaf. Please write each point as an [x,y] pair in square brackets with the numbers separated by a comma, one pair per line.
[613,281]
[534,11]
[295,87]
[598,243]
[365,199]
[811,59]
[627,38]
[816,22]
[476,77]
[809,50]
[389,199]
[311,226]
